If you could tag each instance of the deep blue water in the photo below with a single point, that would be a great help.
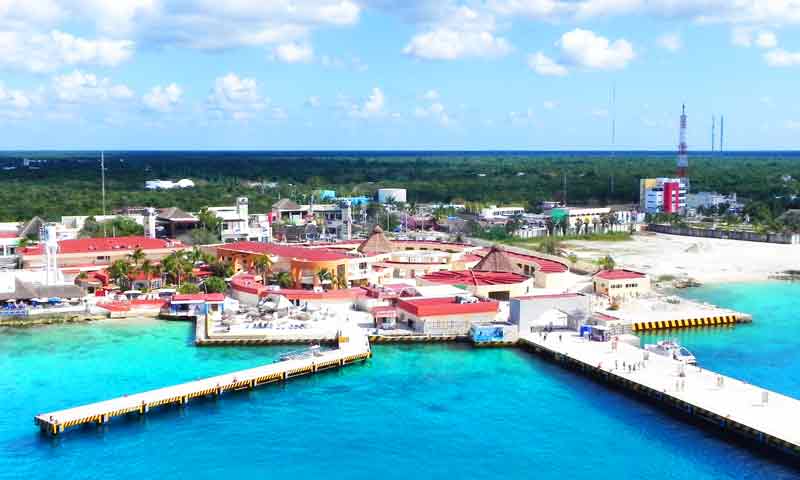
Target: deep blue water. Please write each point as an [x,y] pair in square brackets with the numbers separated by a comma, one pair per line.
[411,412]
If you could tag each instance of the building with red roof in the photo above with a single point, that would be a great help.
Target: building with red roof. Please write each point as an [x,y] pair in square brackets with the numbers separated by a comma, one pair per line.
[620,285]
[304,263]
[445,315]
[100,251]
[495,285]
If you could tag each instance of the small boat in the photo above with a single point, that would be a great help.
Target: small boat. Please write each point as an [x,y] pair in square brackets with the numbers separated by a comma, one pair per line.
[672,349]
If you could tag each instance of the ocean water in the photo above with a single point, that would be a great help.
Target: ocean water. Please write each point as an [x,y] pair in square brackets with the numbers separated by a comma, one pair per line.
[412,411]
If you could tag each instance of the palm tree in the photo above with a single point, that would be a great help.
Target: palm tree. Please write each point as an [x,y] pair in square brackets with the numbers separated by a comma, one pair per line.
[147,270]
[137,256]
[177,265]
[119,270]
[158,271]
[196,255]
[324,276]
[262,265]
[284,279]
[607,263]
[572,260]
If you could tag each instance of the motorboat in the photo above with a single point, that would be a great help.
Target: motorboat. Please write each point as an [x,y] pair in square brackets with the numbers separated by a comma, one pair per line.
[672,349]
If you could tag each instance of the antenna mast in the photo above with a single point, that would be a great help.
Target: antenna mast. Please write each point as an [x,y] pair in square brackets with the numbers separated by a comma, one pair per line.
[613,131]
[713,132]
[103,185]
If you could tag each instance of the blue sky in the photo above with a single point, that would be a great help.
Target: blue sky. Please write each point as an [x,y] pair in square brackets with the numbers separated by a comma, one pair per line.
[391,74]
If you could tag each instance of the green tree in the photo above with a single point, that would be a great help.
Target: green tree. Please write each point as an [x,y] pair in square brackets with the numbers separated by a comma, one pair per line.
[119,271]
[137,256]
[607,263]
[188,289]
[284,280]
[262,265]
[215,285]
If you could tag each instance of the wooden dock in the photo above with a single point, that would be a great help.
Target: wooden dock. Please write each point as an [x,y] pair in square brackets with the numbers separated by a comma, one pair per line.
[351,349]
[761,417]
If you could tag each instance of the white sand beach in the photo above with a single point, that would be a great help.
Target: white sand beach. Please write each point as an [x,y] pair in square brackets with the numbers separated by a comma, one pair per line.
[704,260]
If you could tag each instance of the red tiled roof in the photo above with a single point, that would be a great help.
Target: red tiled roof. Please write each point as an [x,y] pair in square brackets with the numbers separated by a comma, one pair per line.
[472,277]
[110,244]
[431,307]
[383,311]
[300,294]
[552,295]
[545,265]
[289,251]
[619,275]
[199,297]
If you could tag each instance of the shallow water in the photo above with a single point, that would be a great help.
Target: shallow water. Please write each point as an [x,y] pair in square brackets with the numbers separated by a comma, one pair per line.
[412,411]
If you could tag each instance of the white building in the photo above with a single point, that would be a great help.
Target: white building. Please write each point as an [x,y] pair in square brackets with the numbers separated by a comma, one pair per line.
[663,195]
[494,211]
[711,200]
[168,184]
[237,224]
[396,194]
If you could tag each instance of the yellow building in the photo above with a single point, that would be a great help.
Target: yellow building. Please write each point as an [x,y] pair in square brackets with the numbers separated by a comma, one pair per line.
[621,285]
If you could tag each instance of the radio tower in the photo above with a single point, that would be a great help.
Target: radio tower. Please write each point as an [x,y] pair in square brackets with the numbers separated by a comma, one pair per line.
[713,133]
[683,159]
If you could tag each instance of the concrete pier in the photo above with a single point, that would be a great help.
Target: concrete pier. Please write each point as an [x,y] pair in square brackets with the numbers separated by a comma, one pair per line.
[760,416]
[353,347]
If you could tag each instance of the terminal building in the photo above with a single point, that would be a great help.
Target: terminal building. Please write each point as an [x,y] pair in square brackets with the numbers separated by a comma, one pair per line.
[663,195]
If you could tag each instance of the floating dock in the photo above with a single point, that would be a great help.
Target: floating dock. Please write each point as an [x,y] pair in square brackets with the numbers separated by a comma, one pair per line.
[353,348]
[761,417]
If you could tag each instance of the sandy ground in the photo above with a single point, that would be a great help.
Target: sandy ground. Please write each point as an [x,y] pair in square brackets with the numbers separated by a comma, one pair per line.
[704,260]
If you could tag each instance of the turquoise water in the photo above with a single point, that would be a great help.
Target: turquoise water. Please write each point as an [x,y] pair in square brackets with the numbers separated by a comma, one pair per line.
[411,412]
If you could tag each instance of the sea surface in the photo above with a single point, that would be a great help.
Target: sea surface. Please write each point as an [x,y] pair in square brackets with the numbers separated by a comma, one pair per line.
[412,412]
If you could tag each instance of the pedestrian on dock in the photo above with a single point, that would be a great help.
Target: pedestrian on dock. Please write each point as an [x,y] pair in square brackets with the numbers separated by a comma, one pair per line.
[559,337]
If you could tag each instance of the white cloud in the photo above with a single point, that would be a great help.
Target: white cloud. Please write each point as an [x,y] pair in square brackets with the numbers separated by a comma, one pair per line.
[294,52]
[449,44]
[670,41]
[236,97]
[163,99]
[763,12]
[16,104]
[353,63]
[201,24]
[782,58]
[599,112]
[792,124]
[80,87]
[372,107]
[550,104]
[544,65]
[749,36]
[435,111]
[766,39]
[458,31]
[742,36]
[586,49]
[39,53]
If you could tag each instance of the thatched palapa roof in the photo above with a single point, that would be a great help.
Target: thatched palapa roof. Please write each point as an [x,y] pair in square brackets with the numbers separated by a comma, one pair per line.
[376,243]
[497,261]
